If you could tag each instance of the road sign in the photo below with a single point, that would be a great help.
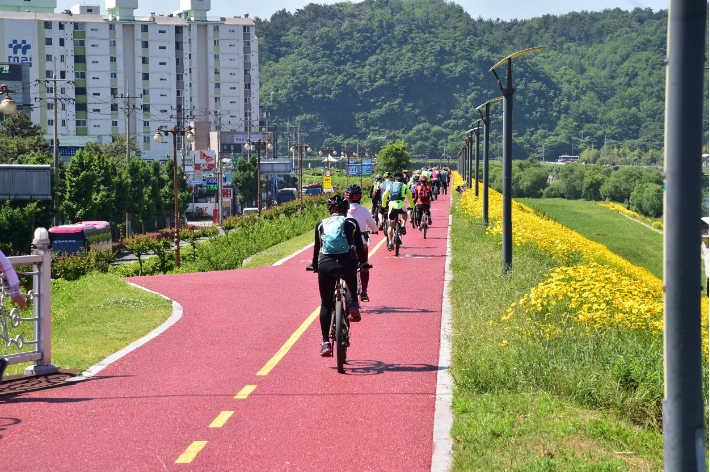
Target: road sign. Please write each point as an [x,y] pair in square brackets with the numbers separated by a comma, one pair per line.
[194,182]
[327,181]
[328,173]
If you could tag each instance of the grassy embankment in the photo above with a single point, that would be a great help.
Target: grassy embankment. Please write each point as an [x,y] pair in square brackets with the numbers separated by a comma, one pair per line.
[529,398]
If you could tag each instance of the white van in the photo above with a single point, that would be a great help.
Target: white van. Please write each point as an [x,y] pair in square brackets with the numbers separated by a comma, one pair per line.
[250,211]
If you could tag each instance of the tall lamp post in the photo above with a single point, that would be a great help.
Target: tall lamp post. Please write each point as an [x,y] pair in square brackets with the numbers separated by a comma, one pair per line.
[508,92]
[486,141]
[327,151]
[249,146]
[300,167]
[476,126]
[159,139]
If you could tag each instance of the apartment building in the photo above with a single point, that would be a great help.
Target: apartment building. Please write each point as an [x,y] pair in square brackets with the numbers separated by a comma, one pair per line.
[178,68]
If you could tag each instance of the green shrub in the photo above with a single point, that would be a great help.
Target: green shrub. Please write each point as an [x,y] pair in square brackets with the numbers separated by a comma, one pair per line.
[554,190]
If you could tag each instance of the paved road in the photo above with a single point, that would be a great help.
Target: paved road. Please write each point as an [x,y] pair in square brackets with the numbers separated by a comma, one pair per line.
[211,393]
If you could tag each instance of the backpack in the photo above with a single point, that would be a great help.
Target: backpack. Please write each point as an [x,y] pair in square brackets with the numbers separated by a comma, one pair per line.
[333,239]
[424,193]
[396,191]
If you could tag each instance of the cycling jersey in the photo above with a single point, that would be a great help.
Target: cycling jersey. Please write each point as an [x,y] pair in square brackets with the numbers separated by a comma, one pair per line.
[398,204]
[360,214]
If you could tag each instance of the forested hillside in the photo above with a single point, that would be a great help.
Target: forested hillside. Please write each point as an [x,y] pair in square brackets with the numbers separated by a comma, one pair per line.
[416,70]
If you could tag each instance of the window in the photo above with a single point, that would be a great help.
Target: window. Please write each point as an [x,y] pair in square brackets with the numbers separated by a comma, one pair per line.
[232,73]
[114,123]
[162,47]
[114,75]
[216,71]
[162,63]
[78,59]
[145,60]
[217,85]
[97,126]
[61,42]
[112,27]
[246,29]
[61,26]
[179,93]
[94,62]
[47,41]
[178,61]
[80,107]
[163,79]
[146,76]
[112,43]
[114,107]
[50,106]
[247,99]
[178,45]
[114,91]
[247,114]
[216,42]
[189,41]
[247,43]
[96,94]
[161,31]
[64,123]
[112,59]
[231,31]
[163,94]
[48,57]
[146,92]
[95,78]
[96,110]
[144,44]
[80,75]
[92,29]
[216,57]
[62,90]
[247,71]
[178,29]
[146,139]
[80,90]
[50,122]
[163,111]
[179,77]
[94,45]
[189,56]
[61,58]
[216,99]
[231,59]
[78,26]
[62,74]
[233,103]
[146,124]
[144,28]
[232,88]
[215,28]
[78,43]
[146,107]
[247,58]
[247,86]
[80,123]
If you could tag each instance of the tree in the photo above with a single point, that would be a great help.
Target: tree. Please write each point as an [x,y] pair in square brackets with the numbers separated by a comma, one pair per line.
[394,157]
[115,151]
[139,178]
[572,178]
[621,183]
[244,180]
[19,136]
[81,176]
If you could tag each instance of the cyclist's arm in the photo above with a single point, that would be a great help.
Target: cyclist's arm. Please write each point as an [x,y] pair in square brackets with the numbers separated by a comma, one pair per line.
[386,195]
[370,222]
[408,195]
[359,246]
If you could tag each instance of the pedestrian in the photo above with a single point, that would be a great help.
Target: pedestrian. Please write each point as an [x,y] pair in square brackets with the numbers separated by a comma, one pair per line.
[12,280]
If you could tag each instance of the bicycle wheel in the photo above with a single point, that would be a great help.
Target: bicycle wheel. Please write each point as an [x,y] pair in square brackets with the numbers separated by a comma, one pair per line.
[424,228]
[340,335]
[397,238]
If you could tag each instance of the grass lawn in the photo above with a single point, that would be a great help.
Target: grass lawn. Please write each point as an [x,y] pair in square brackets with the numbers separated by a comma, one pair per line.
[526,405]
[634,242]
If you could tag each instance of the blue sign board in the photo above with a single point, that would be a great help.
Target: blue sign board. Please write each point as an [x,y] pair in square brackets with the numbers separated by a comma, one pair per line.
[355,170]
[194,182]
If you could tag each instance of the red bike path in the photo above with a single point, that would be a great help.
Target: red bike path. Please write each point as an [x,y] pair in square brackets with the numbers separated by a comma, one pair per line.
[155,405]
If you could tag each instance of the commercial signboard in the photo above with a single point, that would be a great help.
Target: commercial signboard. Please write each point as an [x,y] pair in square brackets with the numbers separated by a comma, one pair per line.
[327,180]
[204,160]
[25,182]
[227,193]
[275,166]
[241,138]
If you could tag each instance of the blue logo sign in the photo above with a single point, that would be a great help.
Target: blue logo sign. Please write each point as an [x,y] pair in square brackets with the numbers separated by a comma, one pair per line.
[21,47]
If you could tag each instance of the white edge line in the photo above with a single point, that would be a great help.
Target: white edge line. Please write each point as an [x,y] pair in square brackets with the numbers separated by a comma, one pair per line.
[443,416]
[98,367]
[278,263]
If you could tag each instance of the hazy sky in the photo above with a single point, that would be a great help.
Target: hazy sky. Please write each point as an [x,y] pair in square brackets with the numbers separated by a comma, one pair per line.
[503,9]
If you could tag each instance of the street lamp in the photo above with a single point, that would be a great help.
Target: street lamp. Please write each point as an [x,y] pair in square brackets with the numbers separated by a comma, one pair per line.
[250,146]
[159,139]
[8,105]
[486,141]
[508,92]
[300,167]
[327,151]
[477,132]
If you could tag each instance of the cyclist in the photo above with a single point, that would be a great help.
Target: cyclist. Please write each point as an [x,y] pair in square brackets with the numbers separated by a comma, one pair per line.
[338,246]
[376,196]
[422,198]
[435,182]
[395,196]
[444,176]
[360,214]
[383,203]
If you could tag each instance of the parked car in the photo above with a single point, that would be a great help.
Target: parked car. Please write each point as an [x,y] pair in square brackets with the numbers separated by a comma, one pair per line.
[250,211]
[286,195]
[313,189]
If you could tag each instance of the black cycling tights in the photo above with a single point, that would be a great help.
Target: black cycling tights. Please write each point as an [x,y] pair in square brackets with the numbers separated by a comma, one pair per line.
[328,271]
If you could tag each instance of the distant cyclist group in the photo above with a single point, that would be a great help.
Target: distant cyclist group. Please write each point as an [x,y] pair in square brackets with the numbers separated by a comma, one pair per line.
[340,249]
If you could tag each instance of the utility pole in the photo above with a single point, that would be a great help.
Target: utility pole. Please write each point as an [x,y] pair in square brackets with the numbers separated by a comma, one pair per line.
[127,100]
[218,125]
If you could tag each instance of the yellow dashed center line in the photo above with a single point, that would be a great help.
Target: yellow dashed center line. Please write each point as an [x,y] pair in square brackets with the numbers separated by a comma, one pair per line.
[191,452]
[297,334]
[243,393]
[221,419]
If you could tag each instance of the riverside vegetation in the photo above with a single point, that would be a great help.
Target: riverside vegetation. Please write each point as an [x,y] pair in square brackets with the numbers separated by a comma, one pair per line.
[572,337]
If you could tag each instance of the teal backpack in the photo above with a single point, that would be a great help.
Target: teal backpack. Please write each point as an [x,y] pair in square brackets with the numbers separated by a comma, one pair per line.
[333,239]
[396,191]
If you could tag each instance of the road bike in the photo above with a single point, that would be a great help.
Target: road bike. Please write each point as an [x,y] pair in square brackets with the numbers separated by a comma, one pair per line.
[424,222]
[339,319]
[435,189]
[376,209]
[413,216]
[397,235]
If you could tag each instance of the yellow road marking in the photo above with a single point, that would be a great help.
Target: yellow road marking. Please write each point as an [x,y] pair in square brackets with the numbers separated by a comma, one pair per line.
[297,334]
[221,419]
[243,393]
[191,452]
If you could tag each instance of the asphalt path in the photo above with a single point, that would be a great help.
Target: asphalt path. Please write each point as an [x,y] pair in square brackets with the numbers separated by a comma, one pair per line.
[237,382]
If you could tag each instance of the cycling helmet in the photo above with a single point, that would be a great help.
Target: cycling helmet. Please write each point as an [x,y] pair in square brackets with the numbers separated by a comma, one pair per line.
[423,178]
[388,175]
[398,176]
[353,193]
[415,178]
[378,177]
[338,204]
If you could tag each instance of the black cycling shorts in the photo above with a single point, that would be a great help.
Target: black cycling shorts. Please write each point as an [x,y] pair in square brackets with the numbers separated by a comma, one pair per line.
[394,212]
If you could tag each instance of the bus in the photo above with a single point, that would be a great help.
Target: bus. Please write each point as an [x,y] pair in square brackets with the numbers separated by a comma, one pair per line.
[70,239]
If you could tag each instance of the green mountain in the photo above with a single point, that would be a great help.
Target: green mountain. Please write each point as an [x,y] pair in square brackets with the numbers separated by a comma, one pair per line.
[417,69]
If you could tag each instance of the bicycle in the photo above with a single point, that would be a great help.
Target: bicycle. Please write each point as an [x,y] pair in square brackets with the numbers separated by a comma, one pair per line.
[339,320]
[435,189]
[413,216]
[397,235]
[425,218]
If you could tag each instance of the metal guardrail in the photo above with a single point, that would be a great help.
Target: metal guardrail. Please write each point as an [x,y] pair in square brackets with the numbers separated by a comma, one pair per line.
[41,299]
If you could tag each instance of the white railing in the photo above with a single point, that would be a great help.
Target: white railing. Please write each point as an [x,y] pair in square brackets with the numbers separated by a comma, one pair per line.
[40,298]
